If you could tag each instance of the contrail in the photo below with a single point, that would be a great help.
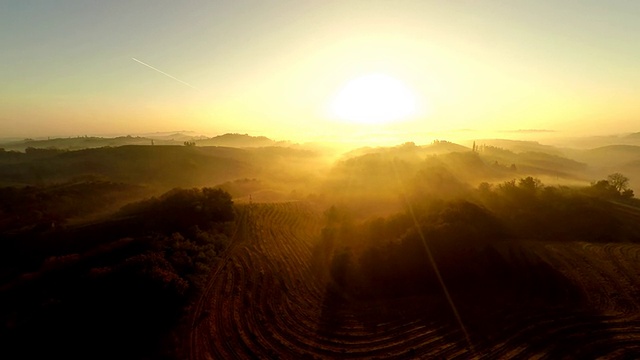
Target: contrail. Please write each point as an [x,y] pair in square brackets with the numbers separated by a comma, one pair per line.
[164,73]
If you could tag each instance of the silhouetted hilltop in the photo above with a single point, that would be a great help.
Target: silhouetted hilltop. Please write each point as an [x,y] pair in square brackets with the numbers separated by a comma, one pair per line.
[79,142]
[239,140]
[163,167]
[177,138]
[531,157]
[443,147]
[410,149]
[155,165]
[519,146]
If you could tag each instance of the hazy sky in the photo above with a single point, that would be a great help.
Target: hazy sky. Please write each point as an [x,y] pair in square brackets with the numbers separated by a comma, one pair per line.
[273,67]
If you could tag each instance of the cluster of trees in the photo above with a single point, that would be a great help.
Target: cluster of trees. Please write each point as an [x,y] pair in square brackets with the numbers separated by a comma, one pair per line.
[398,257]
[32,208]
[530,210]
[615,187]
[182,209]
[393,256]
[30,153]
[117,287]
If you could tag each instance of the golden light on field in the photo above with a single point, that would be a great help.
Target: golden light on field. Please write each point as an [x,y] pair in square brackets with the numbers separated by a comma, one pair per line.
[374,99]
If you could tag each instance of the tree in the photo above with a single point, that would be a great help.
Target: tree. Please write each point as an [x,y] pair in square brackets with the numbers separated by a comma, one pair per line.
[603,188]
[619,182]
[627,194]
[530,184]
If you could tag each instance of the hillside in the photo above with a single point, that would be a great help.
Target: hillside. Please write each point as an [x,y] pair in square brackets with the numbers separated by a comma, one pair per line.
[90,142]
[520,146]
[612,158]
[166,166]
[275,295]
[161,166]
[239,140]
[433,251]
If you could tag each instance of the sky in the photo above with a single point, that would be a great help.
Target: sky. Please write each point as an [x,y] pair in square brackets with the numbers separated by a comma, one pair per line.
[274,68]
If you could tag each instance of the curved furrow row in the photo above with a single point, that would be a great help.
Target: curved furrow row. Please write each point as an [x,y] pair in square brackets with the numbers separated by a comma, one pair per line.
[247,315]
[591,267]
[200,339]
[355,341]
[267,301]
[579,265]
[552,255]
[617,285]
[264,290]
[627,270]
[223,324]
[617,280]
[274,263]
[278,310]
[540,336]
[234,332]
[288,253]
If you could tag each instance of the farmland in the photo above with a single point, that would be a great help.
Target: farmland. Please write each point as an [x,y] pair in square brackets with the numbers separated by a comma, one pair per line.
[405,252]
[269,299]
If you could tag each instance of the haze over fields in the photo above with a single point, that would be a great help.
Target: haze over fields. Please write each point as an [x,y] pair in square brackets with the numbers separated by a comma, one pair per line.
[261,248]
[284,180]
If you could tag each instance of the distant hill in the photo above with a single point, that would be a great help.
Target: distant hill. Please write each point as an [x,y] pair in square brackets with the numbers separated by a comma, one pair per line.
[239,140]
[527,156]
[179,138]
[612,158]
[590,142]
[151,165]
[410,150]
[610,155]
[635,135]
[174,136]
[77,143]
[518,146]
[163,167]
[443,147]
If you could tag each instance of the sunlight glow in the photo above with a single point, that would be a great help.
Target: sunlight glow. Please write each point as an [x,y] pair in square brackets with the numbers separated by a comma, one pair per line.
[374,99]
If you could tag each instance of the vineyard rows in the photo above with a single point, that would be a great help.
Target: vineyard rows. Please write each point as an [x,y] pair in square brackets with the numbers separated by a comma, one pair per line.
[267,300]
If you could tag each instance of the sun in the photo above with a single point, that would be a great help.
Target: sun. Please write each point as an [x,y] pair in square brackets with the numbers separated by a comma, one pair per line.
[374,99]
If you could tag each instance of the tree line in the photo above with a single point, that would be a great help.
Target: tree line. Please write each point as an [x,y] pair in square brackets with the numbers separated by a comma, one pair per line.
[390,256]
[116,288]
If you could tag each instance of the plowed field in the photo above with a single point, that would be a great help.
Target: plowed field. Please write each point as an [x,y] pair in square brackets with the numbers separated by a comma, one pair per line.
[266,300]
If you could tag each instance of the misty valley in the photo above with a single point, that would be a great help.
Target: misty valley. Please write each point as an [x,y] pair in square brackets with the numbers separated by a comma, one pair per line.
[242,247]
